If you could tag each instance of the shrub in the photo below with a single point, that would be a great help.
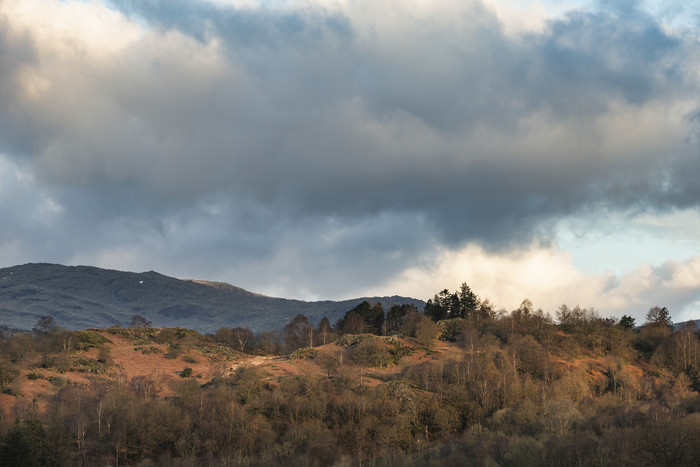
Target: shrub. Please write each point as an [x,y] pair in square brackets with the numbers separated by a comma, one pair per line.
[186,373]
[57,381]
[8,372]
[173,351]
[303,353]
[352,339]
[426,331]
[148,350]
[190,359]
[372,353]
[450,329]
[174,335]
[89,339]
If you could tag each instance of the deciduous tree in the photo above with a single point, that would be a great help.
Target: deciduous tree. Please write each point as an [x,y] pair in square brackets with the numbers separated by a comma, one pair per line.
[299,333]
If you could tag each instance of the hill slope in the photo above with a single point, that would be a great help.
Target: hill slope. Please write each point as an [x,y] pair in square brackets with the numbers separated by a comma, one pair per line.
[80,297]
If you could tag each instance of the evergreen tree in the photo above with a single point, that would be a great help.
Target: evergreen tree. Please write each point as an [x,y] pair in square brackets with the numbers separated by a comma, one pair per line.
[376,318]
[659,317]
[626,322]
[468,303]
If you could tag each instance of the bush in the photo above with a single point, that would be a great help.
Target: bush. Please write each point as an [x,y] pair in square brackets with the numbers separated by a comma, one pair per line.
[302,353]
[352,339]
[450,329]
[148,350]
[8,372]
[186,373]
[190,359]
[173,352]
[372,353]
[139,336]
[88,340]
[33,376]
[426,331]
[57,381]
[175,335]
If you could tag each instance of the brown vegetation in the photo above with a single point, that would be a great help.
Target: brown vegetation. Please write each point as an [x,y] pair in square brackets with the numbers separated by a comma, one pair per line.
[478,388]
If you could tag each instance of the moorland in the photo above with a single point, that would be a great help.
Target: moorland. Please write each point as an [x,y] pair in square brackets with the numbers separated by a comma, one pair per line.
[456,383]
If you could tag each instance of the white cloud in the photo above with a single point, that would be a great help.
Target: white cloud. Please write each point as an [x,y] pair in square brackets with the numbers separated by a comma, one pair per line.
[547,276]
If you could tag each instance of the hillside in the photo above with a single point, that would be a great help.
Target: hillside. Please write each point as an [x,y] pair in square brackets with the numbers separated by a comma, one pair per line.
[511,391]
[81,297]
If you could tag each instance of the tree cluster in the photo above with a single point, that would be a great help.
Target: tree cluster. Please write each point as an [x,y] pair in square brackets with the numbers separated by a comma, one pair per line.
[518,388]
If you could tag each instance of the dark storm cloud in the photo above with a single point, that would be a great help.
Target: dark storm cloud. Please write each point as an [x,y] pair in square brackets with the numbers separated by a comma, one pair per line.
[289,134]
[16,51]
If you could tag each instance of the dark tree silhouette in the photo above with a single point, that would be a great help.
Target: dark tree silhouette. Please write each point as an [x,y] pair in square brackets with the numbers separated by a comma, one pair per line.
[659,317]
[299,333]
[626,322]
[138,321]
[45,325]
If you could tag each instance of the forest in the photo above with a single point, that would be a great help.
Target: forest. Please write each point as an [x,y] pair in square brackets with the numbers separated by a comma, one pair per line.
[458,383]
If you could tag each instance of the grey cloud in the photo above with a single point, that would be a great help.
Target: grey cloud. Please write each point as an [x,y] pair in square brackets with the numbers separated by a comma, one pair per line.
[16,52]
[306,127]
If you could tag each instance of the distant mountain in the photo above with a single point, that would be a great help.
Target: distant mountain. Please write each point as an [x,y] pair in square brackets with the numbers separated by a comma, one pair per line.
[679,325]
[80,297]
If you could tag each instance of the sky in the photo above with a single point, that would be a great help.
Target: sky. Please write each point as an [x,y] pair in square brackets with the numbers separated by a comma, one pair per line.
[328,149]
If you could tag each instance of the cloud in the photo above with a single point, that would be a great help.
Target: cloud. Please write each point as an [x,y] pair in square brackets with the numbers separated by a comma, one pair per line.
[324,147]
[548,277]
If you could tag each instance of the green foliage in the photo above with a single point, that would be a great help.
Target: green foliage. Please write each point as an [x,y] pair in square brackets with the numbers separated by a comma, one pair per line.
[395,316]
[59,381]
[463,303]
[148,350]
[218,351]
[25,445]
[365,317]
[303,353]
[88,340]
[352,339]
[176,335]
[626,322]
[185,373]
[139,336]
[89,365]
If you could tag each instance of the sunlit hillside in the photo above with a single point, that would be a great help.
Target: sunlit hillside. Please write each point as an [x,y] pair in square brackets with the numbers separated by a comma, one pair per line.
[481,389]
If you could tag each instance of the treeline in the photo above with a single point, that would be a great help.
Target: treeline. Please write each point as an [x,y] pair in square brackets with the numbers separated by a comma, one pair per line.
[517,388]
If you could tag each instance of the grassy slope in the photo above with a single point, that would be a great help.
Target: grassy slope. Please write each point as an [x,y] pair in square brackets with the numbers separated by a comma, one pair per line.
[133,356]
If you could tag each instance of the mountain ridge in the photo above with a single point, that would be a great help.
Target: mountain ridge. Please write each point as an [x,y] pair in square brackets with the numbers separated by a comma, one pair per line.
[81,297]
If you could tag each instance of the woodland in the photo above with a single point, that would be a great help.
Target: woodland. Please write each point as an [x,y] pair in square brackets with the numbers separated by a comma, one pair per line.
[458,383]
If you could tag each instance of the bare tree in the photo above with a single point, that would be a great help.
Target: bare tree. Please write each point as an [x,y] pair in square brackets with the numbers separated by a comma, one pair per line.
[138,321]
[299,332]
[241,336]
